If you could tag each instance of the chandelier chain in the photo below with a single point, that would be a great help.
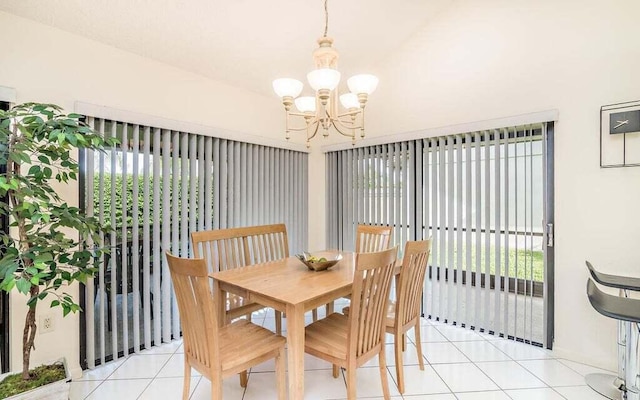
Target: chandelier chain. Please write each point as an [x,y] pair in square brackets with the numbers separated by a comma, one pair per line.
[326,18]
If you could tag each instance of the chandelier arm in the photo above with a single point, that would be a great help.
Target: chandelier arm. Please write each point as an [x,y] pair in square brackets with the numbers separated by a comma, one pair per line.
[350,113]
[333,122]
[297,114]
[315,132]
[347,124]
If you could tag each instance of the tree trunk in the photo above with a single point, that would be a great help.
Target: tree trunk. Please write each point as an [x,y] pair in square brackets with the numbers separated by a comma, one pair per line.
[29,334]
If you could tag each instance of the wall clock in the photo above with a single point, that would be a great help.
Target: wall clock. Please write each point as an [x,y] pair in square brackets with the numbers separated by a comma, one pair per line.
[620,135]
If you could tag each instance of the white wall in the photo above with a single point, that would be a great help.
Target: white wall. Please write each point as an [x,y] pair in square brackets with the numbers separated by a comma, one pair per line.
[48,65]
[488,59]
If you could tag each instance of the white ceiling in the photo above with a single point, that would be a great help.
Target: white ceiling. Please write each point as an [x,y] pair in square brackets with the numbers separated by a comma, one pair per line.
[246,43]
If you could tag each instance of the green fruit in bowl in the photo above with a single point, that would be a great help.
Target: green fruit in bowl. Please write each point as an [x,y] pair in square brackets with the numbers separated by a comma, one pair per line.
[322,260]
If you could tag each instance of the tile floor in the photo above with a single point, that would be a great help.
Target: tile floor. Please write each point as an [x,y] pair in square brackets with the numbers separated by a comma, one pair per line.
[460,364]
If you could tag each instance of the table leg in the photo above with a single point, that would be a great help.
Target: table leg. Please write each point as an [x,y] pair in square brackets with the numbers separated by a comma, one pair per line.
[295,351]
[219,303]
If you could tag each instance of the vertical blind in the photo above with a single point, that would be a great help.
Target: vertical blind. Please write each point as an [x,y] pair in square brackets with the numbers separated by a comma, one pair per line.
[479,197]
[154,189]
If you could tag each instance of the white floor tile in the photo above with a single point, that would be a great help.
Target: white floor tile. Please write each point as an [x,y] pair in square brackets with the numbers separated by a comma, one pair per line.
[492,395]
[127,389]
[534,394]
[553,372]
[428,333]
[417,382]
[166,348]
[101,372]
[481,351]
[458,334]
[140,366]
[174,368]
[464,377]
[262,386]
[167,388]
[370,385]
[584,369]
[321,385]
[510,375]
[579,393]
[81,389]
[231,389]
[449,352]
[409,356]
[443,353]
[521,351]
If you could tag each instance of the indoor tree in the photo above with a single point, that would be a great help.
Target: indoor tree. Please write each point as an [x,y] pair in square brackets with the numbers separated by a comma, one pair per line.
[49,246]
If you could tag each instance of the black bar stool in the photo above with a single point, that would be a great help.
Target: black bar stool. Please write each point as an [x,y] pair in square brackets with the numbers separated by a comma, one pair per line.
[627,311]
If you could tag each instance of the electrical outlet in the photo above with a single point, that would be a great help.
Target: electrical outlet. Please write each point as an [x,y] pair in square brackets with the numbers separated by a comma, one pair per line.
[46,323]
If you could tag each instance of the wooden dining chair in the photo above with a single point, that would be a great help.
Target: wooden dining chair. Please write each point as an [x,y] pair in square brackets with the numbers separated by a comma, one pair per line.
[369,238]
[372,238]
[213,351]
[349,342]
[224,249]
[404,313]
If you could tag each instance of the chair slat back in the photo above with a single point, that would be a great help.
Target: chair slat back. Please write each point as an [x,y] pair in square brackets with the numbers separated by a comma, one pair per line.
[371,238]
[411,285]
[369,300]
[225,249]
[196,306]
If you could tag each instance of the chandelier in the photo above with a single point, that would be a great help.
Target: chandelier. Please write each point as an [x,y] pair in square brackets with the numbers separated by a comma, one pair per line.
[322,111]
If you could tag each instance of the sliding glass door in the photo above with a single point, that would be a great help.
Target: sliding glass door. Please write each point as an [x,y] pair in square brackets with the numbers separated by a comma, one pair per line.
[483,199]
[154,189]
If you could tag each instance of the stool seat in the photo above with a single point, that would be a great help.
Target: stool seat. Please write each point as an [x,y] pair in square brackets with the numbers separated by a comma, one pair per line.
[614,281]
[621,308]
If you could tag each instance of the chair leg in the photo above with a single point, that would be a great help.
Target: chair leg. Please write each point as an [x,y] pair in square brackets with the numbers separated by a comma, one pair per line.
[278,322]
[281,378]
[383,374]
[187,379]
[330,308]
[216,387]
[419,345]
[351,383]
[397,345]
[314,314]
[244,378]
[336,371]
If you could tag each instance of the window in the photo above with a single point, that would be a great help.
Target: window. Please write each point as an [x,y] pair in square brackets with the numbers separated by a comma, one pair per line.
[154,189]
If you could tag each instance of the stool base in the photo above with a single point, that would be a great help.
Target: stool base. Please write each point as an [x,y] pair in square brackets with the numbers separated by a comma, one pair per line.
[607,385]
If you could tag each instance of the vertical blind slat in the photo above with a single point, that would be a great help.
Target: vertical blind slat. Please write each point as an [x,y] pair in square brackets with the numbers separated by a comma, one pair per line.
[498,235]
[124,253]
[90,286]
[507,235]
[459,244]
[135,239]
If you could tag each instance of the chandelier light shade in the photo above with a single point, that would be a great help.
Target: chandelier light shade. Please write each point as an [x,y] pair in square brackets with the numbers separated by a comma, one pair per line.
[287,87]
[306,104]
[323,78]
[323,111]
[363,83]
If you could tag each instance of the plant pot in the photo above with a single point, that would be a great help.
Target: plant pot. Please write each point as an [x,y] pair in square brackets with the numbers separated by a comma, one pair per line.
[58,390]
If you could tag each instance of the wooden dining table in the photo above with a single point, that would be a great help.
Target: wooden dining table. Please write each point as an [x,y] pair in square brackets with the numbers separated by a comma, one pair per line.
[288,286]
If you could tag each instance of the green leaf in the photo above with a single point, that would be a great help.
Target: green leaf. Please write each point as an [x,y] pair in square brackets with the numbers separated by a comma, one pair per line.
[23,285]
[55,303]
